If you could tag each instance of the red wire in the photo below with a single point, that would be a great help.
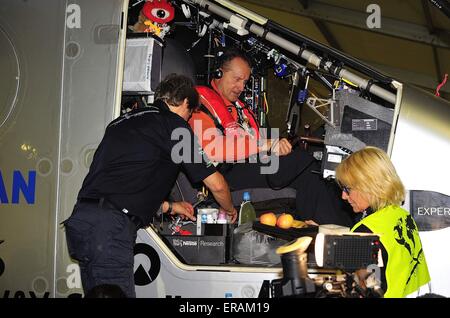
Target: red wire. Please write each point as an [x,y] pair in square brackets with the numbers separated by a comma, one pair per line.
[440,85]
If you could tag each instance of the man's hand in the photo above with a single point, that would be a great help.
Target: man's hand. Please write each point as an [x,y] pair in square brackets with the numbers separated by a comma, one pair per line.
[281,147]
[233,214]
[183,208]
[219,187]
[311,222]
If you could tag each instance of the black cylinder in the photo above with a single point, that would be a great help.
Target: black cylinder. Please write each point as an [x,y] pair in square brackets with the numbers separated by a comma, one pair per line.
[295,271]
[294,265]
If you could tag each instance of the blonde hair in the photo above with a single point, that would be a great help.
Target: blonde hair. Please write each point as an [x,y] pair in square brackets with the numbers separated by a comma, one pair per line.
[371,172]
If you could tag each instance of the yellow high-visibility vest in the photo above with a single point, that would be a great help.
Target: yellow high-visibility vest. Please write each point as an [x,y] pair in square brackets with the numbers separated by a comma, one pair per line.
[406,268]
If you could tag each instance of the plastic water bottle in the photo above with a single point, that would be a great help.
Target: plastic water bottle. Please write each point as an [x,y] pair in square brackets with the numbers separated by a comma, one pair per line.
[247,212]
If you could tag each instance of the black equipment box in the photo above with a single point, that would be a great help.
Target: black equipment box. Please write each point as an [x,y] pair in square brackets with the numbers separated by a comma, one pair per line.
[213,248]
[350,252]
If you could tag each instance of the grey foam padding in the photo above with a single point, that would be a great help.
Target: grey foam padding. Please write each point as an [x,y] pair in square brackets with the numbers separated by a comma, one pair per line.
[378,138]
[354,101]
[351,106]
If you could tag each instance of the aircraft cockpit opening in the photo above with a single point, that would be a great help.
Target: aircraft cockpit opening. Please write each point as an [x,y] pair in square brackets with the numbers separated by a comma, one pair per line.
[243,148]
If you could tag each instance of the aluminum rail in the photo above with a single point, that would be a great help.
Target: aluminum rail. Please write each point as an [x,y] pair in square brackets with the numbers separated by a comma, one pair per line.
[241,22]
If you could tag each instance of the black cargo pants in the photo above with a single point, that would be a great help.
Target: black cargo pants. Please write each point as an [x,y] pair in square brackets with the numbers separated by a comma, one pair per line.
[102,240]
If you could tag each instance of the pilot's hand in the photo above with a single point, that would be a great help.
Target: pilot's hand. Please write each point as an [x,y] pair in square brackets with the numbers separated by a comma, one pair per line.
[281,147]
[183,208]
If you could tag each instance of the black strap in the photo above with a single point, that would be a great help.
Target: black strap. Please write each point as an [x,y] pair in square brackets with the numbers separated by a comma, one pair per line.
[369,85]
[219,126]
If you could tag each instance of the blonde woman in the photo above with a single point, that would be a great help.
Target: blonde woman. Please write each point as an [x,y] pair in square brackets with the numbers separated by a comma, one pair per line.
[371,185]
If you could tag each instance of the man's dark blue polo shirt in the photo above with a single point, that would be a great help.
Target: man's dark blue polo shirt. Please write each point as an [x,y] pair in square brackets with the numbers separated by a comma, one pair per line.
[133,168]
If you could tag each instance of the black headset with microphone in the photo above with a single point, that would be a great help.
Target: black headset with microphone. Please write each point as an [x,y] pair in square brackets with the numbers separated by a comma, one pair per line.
[218,62]
[225,56]
[217,73]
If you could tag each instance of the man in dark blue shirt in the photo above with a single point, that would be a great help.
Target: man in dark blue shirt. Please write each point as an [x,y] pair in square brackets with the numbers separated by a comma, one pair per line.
[133,171]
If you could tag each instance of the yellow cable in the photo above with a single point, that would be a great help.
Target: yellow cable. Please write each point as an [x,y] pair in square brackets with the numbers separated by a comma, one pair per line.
[336,83]
[349,83]
[267,104]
